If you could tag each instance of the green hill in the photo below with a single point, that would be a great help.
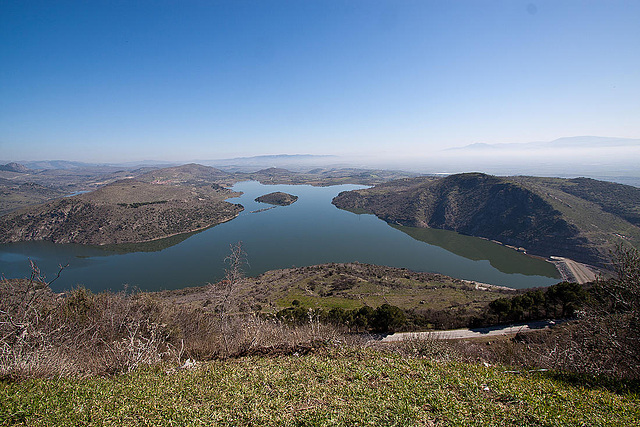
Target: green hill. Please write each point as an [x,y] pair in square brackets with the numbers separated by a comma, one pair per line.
[579,219]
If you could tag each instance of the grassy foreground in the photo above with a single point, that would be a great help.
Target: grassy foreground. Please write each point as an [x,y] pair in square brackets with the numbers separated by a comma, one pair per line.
[334,387]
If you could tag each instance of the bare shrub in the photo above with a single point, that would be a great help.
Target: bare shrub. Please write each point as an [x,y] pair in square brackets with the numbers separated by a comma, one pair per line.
[28,334]
[236,330]
[606,339]
[143,345]
[82,333]
[44,334]
[224,295]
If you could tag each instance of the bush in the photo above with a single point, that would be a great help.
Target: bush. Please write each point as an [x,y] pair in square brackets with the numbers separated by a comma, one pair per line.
[80,333]
[388,318]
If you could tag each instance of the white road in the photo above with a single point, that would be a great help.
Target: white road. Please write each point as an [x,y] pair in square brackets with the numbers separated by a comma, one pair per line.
[456,334]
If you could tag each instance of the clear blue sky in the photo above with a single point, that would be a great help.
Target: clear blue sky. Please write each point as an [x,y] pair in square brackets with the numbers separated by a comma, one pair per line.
[177,80]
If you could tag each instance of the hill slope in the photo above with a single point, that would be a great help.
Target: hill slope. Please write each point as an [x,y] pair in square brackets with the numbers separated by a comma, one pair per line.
[17,195]
[14,167]
[519,211]
[132,210]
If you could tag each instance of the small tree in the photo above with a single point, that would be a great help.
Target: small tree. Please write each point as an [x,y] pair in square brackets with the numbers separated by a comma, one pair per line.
[224,292]
[388,318]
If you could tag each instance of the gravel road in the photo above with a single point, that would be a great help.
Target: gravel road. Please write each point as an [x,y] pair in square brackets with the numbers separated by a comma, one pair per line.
[456,334]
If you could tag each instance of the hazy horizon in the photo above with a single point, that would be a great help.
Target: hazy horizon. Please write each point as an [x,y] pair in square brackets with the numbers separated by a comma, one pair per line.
[110,82]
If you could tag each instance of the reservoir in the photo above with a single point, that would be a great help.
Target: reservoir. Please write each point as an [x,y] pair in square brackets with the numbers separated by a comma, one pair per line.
[310,231]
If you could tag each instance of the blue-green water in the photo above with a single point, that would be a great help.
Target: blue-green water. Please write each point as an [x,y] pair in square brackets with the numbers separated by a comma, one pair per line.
[311,231]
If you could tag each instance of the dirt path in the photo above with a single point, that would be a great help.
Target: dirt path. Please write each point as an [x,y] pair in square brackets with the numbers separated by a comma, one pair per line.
[457,334]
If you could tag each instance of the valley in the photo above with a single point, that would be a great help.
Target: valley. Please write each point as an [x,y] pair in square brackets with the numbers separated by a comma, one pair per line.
[311,231]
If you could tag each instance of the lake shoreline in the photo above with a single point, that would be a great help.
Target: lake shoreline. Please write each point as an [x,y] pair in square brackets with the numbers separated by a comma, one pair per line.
[309,232]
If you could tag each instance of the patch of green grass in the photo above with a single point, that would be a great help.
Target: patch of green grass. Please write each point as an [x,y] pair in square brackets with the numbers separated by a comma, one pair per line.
[601,227]
[340,387]
[318,302]
[405,293]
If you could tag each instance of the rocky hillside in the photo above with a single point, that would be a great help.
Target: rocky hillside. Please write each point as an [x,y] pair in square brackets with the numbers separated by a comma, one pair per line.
[278,198]
[618,199]
[126,211]
[14,167]
[520,211]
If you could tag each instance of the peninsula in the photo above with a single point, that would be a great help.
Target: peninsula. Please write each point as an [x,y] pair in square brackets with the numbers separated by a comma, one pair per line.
[581,219]
[152,206]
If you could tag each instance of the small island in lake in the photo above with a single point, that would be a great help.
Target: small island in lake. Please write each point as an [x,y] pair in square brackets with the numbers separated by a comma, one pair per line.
[278,198]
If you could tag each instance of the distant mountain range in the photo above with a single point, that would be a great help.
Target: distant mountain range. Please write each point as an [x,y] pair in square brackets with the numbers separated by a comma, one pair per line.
[296,162]
[584,142]
[68,165]
[291,161]
[277,158]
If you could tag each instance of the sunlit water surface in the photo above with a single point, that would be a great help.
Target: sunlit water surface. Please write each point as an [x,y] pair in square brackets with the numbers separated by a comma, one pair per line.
[311,231]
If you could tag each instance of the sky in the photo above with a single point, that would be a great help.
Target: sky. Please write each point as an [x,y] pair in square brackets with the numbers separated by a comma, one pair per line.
[107,81]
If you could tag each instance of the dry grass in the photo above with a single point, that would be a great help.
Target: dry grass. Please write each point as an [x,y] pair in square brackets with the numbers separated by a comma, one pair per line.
[82,333]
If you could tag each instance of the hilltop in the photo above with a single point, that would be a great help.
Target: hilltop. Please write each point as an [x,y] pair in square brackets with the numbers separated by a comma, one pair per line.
[189,174]
[14,167]
[341,387]
[581,219]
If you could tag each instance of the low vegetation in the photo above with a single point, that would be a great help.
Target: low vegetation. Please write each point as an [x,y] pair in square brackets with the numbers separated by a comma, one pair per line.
[117,359]
[559,301]
[335,292]
[343,387]
[43,334]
